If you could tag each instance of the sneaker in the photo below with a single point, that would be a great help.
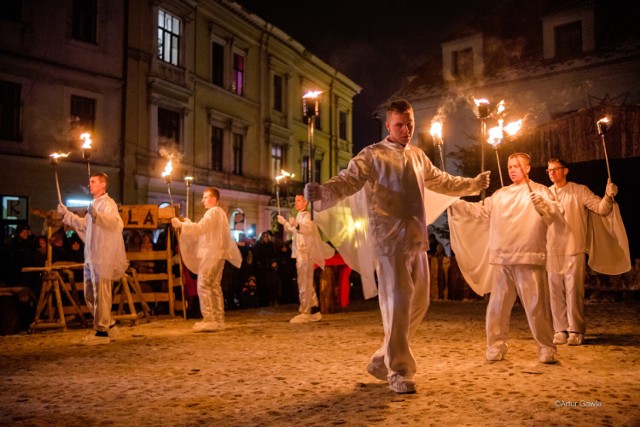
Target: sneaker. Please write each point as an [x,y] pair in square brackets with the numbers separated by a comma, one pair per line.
[401,385]
[547,355]
[560,338]
[315,317]
[496,354]
[378,371]
[208,326]
[95,340]
[302,318]
[575,338]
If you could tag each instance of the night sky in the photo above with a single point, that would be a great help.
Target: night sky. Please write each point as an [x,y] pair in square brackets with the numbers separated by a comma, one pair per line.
[375,43]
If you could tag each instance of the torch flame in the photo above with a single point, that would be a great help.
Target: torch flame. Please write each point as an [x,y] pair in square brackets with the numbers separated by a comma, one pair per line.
[283,175]
[500,108]
[312,94]
[513,128]
[603,125]
[436,130]
[58,155]
[86,137]
[495,136]
[167,169]
[480,102]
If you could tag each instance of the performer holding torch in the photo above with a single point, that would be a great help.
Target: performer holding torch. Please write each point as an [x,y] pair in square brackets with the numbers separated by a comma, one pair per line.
[583,210]
[104,254]
[500,246]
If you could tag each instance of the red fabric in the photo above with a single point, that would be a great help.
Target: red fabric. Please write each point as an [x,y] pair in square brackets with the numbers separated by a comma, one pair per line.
[344,271]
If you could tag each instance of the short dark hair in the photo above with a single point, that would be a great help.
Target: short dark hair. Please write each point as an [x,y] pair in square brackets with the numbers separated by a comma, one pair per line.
[214,192]
[103,176]
[558,161]
[399,106]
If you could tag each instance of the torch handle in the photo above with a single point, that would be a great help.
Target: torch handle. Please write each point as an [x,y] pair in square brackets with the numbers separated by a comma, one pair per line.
[441,158]
[278,199]
[58,186]
[499,168]
[483,137]
[310,126]
[606,157]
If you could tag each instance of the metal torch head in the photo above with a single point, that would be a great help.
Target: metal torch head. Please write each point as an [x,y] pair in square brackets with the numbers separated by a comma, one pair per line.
[603,125]
[310,106]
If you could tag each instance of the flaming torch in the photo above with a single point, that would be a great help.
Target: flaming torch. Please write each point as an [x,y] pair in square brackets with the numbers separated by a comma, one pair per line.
[604,124]
[436,134]
[284,177]
[495,139]
[166,174]
[86,150]
[187,182]
[310,111]
[54,159]
[483,114]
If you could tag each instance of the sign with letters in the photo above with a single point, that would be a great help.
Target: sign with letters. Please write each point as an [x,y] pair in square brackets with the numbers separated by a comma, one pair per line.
[15,208]
[139,216]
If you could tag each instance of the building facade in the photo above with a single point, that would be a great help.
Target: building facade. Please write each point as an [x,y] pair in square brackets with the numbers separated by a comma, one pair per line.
[205,84]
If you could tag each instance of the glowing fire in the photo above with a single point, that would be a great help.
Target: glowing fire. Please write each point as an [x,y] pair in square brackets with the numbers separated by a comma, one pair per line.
[436,131]
[187,180]
[56,156]
[312,94]
[495,136]
[500,108]
[167,170]
[603,125]
[481,101]
[86,137]
[513,128]
[284,175]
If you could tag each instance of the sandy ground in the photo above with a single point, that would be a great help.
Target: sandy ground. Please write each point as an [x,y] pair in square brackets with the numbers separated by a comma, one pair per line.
[263,371]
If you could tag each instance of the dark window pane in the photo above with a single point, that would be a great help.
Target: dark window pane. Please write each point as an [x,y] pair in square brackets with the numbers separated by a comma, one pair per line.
[84,20]
[10,111]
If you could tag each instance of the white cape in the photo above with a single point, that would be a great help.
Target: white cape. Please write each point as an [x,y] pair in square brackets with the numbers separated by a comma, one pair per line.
[607,243]
[346,225]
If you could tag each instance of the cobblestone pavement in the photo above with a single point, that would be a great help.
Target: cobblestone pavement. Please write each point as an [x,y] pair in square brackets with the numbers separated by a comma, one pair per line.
[264,371]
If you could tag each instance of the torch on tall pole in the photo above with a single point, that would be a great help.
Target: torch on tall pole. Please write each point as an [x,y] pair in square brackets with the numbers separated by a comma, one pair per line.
[310,110]
[86,150]
[187,183]
[603,125]
[483,114]
[166,174]
[55,159]
[283,178]
[436,134]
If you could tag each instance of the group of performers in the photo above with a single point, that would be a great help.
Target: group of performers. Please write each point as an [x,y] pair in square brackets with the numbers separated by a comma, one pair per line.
[525,241]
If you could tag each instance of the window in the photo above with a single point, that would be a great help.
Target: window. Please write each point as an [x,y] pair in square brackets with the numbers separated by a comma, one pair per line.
[10,111]
[84,18]
[83,112]
[238,74]
[342,125]
[277,92]
[305,170]
[238,141]
[462,63]
[568,38]
[217,140]
[168,37]
[11,10]
[277,159]
[217,64]
[168,127]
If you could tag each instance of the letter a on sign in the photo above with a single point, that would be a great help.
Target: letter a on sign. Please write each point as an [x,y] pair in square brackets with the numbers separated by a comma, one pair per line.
[139,216]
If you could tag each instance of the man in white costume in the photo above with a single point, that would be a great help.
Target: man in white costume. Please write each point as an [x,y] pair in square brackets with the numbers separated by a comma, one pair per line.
[104,254]
[567,290]
[204,247]
[395,175]
[518,216]
[308,249]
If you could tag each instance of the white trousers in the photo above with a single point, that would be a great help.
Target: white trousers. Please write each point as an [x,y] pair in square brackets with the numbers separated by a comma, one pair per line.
[306,290]
[210,294]
[567,297]
[529,283]
[98,295]
[403,294]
